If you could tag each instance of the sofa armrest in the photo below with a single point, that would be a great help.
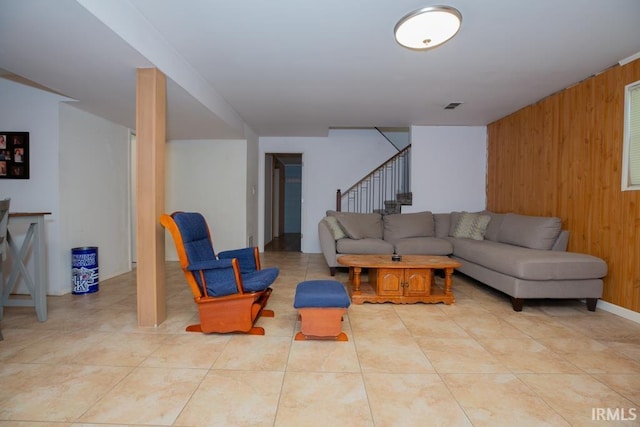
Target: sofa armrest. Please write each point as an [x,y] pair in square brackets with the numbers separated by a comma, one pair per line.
[327,244]
[561,242]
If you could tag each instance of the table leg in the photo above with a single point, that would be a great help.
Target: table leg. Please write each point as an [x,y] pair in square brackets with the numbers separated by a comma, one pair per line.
[448,281]
[40,297]
[355,279]
[37,288]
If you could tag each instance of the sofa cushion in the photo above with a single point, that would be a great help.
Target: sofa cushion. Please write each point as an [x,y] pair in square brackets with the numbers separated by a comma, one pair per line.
[535,232]
[529,264]
[493,228]
[400,226]
[359,225]
[442,223]
[423,246]
[471,226]
[363,246]
[334,227]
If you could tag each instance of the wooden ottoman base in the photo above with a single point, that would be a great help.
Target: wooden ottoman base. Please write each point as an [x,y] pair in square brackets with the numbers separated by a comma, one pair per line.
[321,323]
[321,304]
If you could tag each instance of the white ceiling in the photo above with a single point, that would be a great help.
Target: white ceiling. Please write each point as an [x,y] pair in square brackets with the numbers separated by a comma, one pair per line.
[298,68]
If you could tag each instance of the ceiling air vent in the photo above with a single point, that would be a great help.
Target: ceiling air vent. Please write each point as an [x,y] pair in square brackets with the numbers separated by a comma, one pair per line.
[452,105]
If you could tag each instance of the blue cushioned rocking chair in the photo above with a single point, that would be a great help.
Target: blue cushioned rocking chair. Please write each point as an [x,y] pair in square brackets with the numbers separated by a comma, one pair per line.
[230,288]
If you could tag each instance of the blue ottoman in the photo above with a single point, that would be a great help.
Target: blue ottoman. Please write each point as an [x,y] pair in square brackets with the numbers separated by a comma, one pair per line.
[321,304]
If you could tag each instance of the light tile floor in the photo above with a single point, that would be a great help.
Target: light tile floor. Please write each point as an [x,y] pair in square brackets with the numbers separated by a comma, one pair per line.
[474,363]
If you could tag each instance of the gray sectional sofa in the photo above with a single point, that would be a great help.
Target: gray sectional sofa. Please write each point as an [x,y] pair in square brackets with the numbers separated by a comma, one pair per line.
[520,255]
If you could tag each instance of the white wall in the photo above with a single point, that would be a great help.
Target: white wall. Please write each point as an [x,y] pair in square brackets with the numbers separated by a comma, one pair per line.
[336,161]
[94,192]
[77,172]
[449,168]
[210,177]
[267,212]
[31,110]
[252,187]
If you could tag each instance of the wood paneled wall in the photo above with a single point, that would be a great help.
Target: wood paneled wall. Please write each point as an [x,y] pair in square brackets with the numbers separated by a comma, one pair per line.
[562,156]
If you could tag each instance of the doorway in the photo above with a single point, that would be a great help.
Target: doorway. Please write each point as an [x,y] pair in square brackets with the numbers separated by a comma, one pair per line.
[283,202]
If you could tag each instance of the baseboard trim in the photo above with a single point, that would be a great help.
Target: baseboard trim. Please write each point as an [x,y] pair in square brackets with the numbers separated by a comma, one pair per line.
[634,316]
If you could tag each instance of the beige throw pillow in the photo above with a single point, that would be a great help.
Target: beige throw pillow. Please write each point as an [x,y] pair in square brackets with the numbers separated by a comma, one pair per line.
[334,227]
[471,226]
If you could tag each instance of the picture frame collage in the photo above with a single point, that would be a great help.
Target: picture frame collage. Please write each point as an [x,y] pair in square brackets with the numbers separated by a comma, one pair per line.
[14,155]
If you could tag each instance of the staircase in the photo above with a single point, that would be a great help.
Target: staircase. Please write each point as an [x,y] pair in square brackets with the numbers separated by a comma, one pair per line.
[385,190]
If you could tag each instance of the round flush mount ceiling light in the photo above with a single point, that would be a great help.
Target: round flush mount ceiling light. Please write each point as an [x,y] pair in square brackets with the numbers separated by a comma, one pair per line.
[428,27]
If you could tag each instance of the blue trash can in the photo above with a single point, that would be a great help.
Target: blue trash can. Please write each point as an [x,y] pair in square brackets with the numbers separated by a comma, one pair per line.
[84,270]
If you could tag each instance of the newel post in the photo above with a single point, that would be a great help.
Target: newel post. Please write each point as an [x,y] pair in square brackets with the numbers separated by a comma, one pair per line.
[338,200]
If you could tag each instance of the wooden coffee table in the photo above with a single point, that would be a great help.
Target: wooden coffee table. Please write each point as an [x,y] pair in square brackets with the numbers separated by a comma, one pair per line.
[407,281]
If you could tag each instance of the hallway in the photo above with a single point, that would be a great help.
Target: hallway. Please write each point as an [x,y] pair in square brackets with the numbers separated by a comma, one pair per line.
[288,242]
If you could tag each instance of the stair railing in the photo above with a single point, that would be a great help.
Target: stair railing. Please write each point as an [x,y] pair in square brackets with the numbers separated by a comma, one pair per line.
[380,189]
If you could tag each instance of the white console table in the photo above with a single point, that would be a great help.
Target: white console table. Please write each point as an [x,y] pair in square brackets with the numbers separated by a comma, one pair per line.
[36,285]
